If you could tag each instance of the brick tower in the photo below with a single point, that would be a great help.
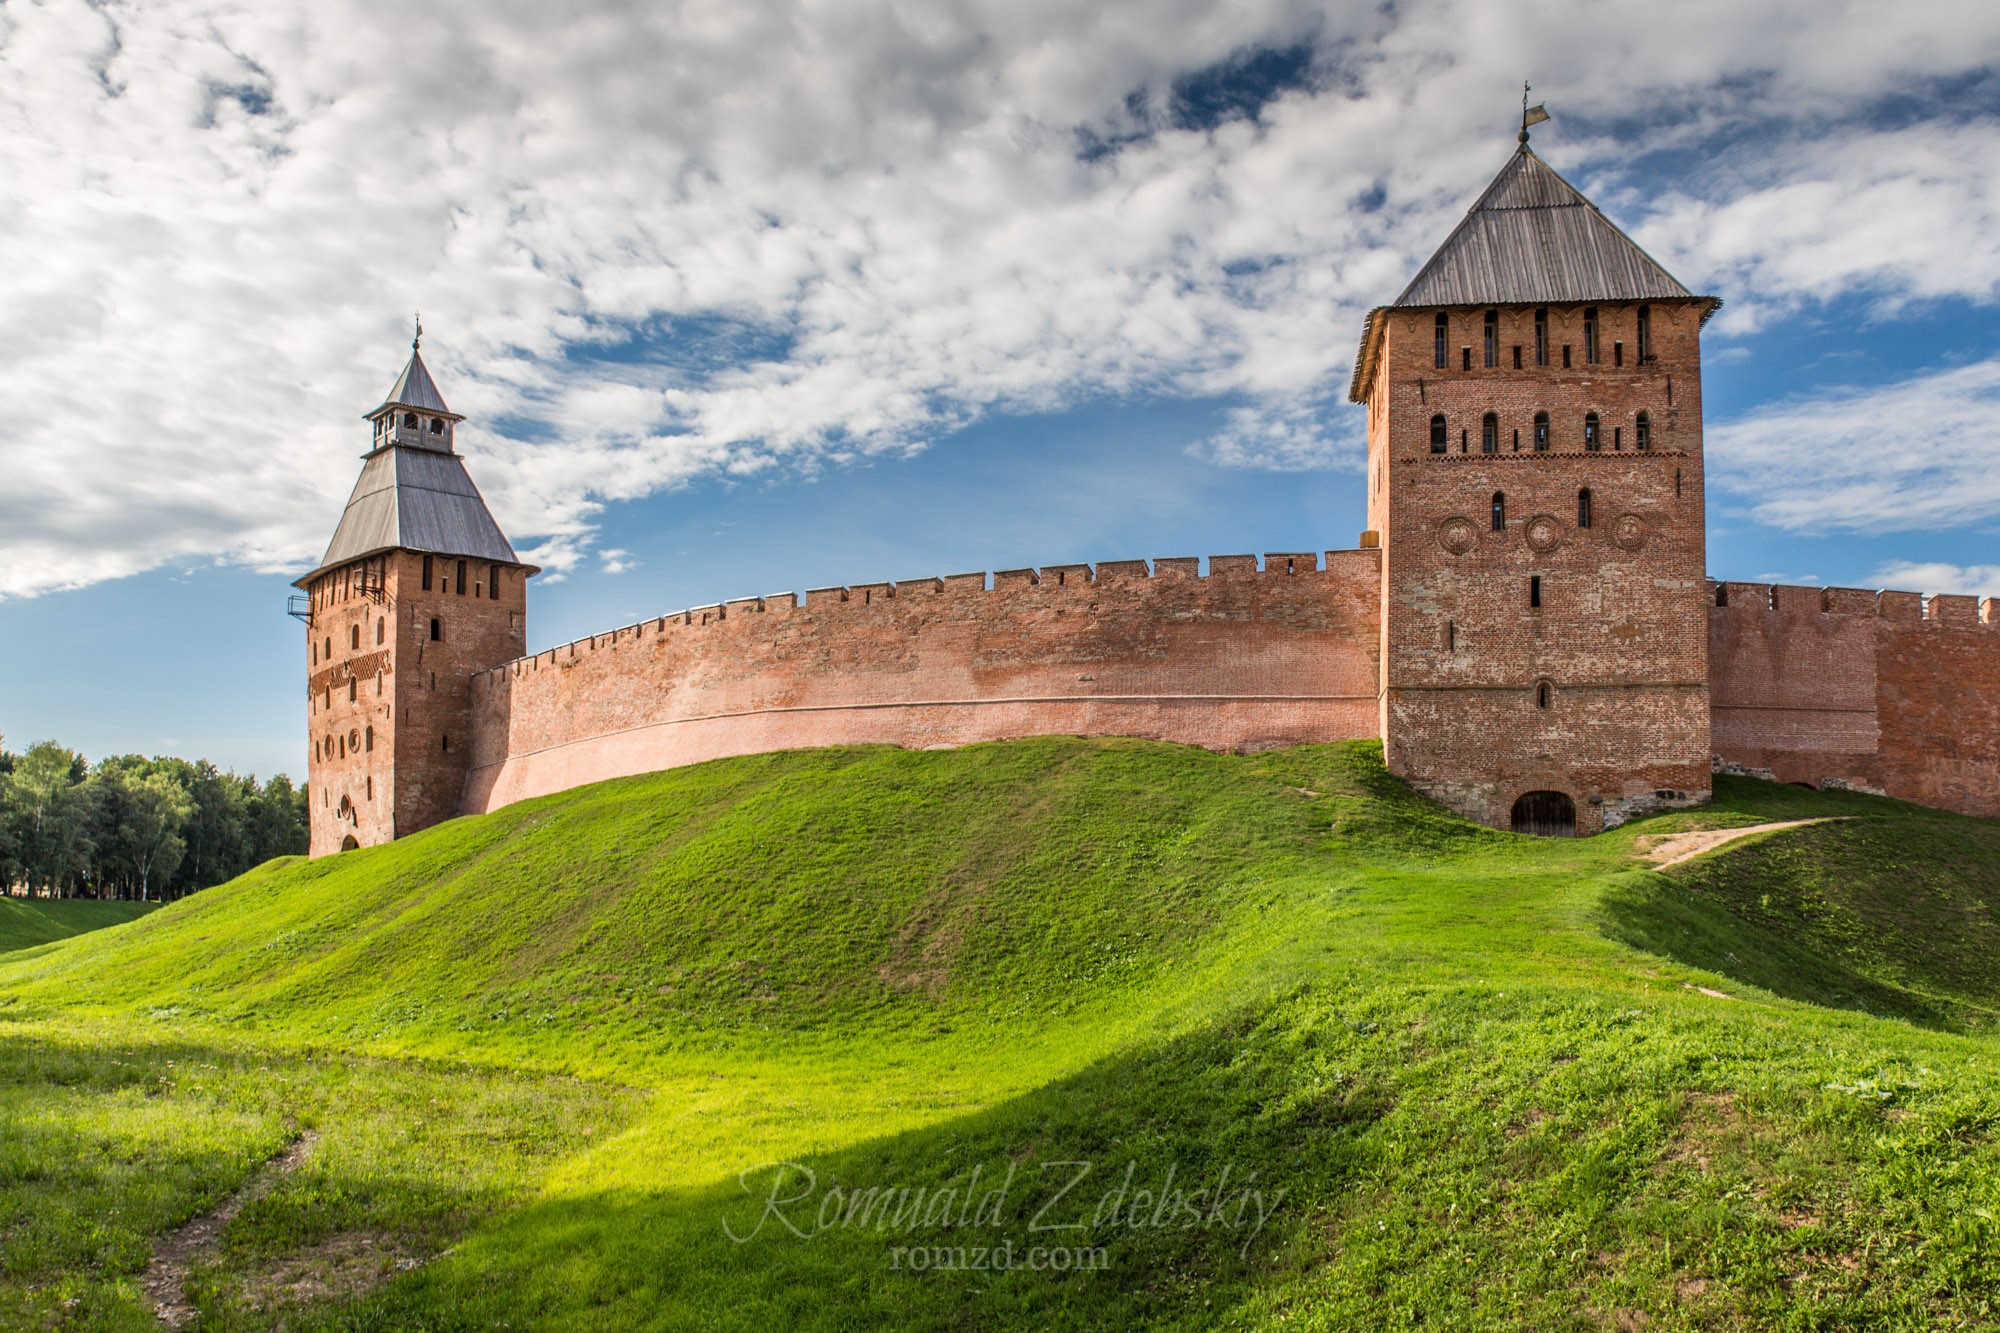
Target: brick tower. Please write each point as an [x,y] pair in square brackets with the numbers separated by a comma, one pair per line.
[418,590]
[1535,481]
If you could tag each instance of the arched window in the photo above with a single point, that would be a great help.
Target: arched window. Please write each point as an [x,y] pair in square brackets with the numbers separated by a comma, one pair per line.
[1492,348]
[1583,508]
[1590,432]
[1440,439]
[329,647]
[368,740]
[1542,336]
[1441,337]
[354,638]
[427,573]
[437,630]
[410,420]
[1499,512]
[1541,432]
[381,628]
[1590,335]
[1489,434]
[1642,433]
[1645,338]
[493,582]
[437,425]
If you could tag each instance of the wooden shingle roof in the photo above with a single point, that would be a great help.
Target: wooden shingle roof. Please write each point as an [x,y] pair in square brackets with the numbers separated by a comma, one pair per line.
[1529,239]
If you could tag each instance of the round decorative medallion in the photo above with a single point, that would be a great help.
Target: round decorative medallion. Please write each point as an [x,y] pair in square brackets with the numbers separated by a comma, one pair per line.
[1544,533]
[1457,535]
[354,739]
[1629,531]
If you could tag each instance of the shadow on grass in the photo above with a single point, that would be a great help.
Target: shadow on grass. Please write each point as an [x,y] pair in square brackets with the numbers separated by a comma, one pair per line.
[1888,917]
[1154,1188]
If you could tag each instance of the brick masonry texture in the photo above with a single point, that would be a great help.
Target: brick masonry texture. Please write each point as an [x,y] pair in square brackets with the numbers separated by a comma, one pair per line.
[1600,692]
[1240,658]
[1844,687]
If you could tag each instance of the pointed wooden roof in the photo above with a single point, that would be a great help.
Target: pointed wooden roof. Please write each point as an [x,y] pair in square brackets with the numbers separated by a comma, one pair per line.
[1529,239]
[416,389]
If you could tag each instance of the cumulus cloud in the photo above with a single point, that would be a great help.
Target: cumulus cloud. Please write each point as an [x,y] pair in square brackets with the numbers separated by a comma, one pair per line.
[1938,576]
[1898,457]
[723,236]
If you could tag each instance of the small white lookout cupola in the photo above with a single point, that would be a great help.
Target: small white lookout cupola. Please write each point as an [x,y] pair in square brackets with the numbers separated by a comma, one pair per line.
[414,414]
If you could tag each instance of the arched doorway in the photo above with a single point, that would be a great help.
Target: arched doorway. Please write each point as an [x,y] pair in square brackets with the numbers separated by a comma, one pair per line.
[349,843]
[1545,814]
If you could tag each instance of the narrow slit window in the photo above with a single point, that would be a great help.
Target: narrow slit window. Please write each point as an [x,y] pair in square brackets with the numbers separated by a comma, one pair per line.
[1617,352]
[1565,356]
[1677,483]
[437,630]
[427,573]
[1541,694]
[1451,636]
[1465,358]
[1542,336]
[461,578]
[1499,511]
[1642,433]
[1591,440]
[1583,508]
[1517,356]
[1491,349]
[1489,434]
[352,685]
[1722,594]
[1440,440]
[381,628]
[354,638]
[1617,439]
[493,582]
[368,740]
[1590,335]
[446,742]
[1535,591]
[1541,432]
[1645,338]
[1440,342]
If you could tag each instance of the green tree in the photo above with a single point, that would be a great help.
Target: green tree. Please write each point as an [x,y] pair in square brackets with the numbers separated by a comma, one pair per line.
[139,812]
[47,817]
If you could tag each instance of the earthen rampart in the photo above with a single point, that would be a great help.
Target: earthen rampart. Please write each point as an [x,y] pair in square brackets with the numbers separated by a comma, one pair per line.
[1888,691]
[1241,656]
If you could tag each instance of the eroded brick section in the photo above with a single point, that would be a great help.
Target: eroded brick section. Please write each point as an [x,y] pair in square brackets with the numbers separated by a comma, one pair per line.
[1600,692]
[1241,658]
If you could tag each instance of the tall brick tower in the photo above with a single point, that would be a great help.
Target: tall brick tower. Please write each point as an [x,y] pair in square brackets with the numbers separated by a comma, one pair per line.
[418,590]
[1535,480]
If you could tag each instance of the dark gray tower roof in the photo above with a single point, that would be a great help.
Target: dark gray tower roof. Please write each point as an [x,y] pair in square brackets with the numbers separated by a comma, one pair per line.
[414,492]
[416,389]
[1529,239]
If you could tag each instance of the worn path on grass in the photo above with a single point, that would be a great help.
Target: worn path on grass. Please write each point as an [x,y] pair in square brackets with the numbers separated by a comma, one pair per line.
[1673,848]
[175,1256]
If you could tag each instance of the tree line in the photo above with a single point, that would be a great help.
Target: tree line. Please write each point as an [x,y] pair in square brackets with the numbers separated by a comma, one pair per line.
[133,827]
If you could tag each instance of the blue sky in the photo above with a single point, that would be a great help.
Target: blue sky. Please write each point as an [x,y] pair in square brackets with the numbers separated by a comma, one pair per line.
[750,298]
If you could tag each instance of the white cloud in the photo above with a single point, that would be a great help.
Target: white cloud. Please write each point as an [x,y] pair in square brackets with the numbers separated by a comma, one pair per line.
[616,561]
[1899,457]
[1937,576]
[215,214]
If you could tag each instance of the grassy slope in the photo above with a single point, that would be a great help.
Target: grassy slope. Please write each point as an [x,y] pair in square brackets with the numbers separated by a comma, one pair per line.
[27,922]
[1475,1064]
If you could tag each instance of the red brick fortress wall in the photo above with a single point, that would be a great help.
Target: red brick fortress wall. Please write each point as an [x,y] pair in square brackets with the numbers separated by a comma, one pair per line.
[1840,687]
[1241,657]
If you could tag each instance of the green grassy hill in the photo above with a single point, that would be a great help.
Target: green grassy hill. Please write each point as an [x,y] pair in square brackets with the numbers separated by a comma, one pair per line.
[27,922]
[796,1040]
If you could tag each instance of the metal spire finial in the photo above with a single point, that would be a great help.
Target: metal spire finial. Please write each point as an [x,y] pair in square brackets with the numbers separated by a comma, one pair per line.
[1530,115]
[418,341]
